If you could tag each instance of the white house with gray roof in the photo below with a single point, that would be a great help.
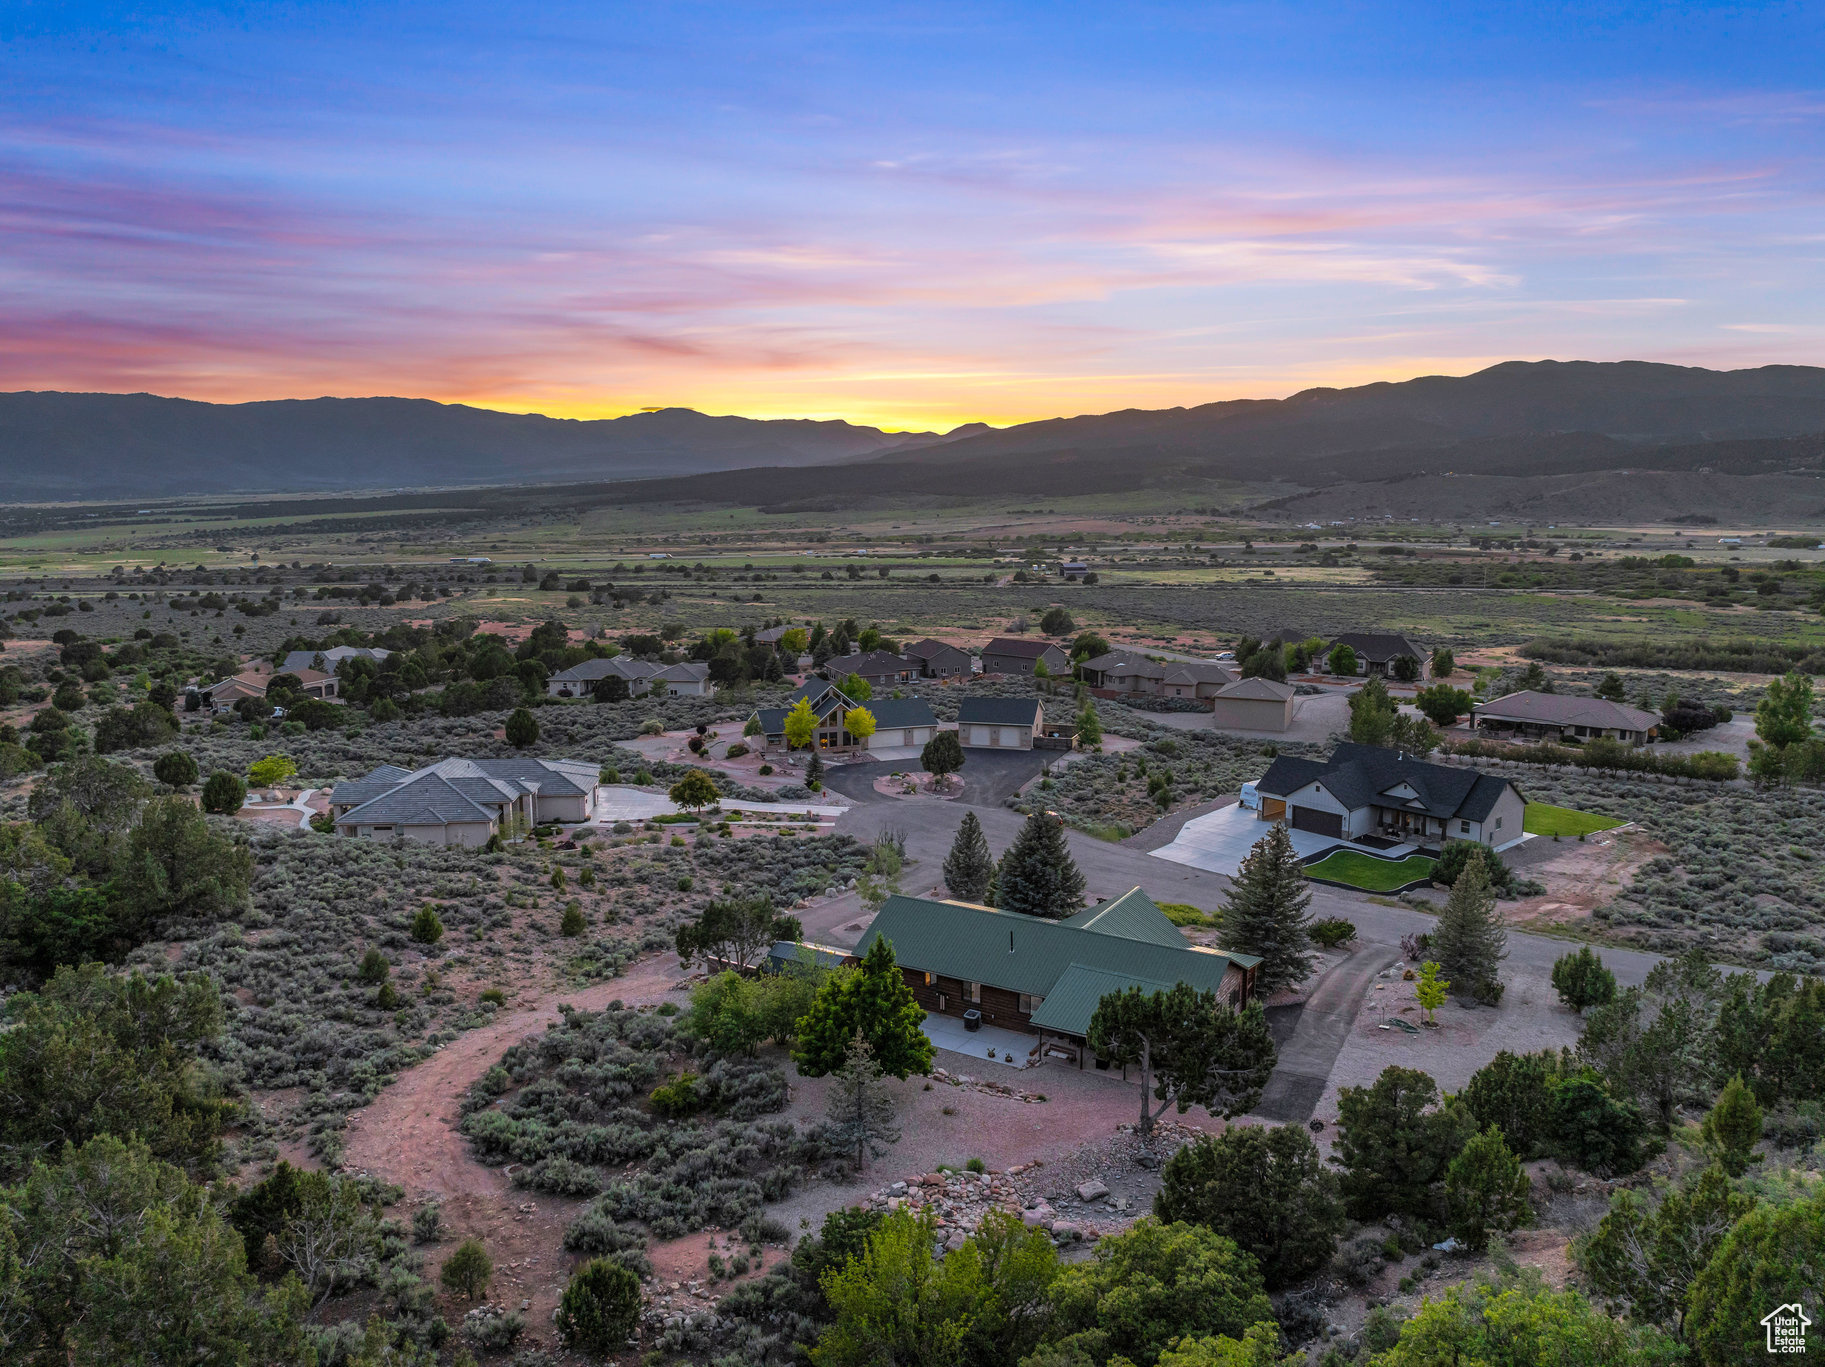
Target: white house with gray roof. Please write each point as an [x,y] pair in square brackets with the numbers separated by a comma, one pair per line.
[464,801]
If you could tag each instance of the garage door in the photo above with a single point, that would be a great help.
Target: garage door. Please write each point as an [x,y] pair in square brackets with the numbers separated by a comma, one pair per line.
[1317,822]
[1010,736]
[982,735]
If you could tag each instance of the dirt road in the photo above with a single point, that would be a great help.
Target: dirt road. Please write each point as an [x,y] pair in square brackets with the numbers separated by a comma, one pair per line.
[409,1137]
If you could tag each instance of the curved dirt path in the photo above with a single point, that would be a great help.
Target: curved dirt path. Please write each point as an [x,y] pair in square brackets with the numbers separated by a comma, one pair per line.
[408,1136]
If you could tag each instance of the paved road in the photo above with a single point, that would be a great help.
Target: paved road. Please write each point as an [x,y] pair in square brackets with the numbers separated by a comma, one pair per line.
[1318,1036]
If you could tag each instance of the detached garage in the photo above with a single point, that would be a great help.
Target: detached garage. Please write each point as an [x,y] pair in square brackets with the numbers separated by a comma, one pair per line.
[900,722]
[999,723]
[1253,705]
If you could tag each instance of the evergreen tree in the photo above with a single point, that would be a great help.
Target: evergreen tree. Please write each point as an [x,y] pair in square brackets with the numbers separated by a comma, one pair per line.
[942,755]
[600,1309]
[814,773]
[875,1000]
[1581,980]
[1485,1189]
[1265,913]
[860,1108]
[522,729]
[1037,874]
[969,866]
[1469,942]
[1733,1128]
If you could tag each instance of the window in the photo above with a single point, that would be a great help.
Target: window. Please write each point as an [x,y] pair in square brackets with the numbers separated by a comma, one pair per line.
[1463,828]
[1498,823]
[974,992]
[1029,1003]
[930,979]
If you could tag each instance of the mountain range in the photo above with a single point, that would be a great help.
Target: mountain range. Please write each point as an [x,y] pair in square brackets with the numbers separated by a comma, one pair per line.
[1514,421]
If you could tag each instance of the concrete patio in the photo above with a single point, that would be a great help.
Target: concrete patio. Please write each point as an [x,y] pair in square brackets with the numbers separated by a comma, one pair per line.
[947,1033]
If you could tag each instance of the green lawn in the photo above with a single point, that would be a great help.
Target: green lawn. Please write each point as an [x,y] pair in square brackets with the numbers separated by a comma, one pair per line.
[1545,819]
[1371,875]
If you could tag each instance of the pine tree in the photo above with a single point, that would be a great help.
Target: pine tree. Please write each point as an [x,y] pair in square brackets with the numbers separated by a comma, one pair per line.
[1037,876]
[1486,1189]
[875,1000]
[1733,1127]
[1265,913]
[814,772]
[1469,942]
[969,866]
[860,1108]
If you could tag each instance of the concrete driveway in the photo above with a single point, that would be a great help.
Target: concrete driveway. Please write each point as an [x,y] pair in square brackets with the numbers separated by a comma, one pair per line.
[1219,842]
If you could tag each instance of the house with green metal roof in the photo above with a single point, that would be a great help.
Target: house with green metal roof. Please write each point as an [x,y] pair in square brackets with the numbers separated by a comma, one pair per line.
[1041,977]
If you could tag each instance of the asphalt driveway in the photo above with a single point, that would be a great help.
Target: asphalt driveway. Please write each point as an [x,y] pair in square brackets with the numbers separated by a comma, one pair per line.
[990,777]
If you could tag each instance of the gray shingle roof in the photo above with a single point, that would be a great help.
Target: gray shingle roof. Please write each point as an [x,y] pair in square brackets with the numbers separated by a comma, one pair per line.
[592,670]
[1379,646]
[1362,775]
[458,789]
[335,655]
[900,712]
[1564,709]
[1022,649]
[873,664]
[428,800]
[998,711]
[1266,689]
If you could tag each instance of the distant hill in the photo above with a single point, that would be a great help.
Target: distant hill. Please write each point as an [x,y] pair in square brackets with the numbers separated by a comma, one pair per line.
[1517,421]
[55,445]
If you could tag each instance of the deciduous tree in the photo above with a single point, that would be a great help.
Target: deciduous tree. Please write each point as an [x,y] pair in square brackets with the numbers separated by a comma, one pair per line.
[696,789]
[800,724]
[736,930]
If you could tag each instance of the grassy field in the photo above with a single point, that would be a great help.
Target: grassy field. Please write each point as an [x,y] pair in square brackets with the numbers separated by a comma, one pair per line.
[1545,819]
[1371,875]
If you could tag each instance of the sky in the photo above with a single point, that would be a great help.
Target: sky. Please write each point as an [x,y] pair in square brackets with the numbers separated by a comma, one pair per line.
[909,215]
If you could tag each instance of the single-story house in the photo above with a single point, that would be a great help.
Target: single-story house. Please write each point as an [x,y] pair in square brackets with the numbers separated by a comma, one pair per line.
[1195,679]
[829,704]
[1365,790]
[1253,705]
[464,801]
[222,696]
[690,679]
[1562,716]
[878,668]
[1073,569]
[1122,671]
[1012,655]
[999,723]
[580,680]
[939,661]
[327,660]
[772,636]
[1045,978]
[900,722]
[1376,651]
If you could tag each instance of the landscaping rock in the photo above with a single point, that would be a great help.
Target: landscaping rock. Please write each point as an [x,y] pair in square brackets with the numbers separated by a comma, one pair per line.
[1093,1190]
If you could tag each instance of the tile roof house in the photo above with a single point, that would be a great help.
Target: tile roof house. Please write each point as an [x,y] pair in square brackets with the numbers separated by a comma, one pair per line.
[1377,650]
[1253,705]
[463,801]
[1045,978]
[1365,790]
[939,661]
[580,680]
[1563,716]
[999,723]
[1017,655]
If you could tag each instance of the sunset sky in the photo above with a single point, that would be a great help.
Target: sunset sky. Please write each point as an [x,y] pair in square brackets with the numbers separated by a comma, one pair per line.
[910,215]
